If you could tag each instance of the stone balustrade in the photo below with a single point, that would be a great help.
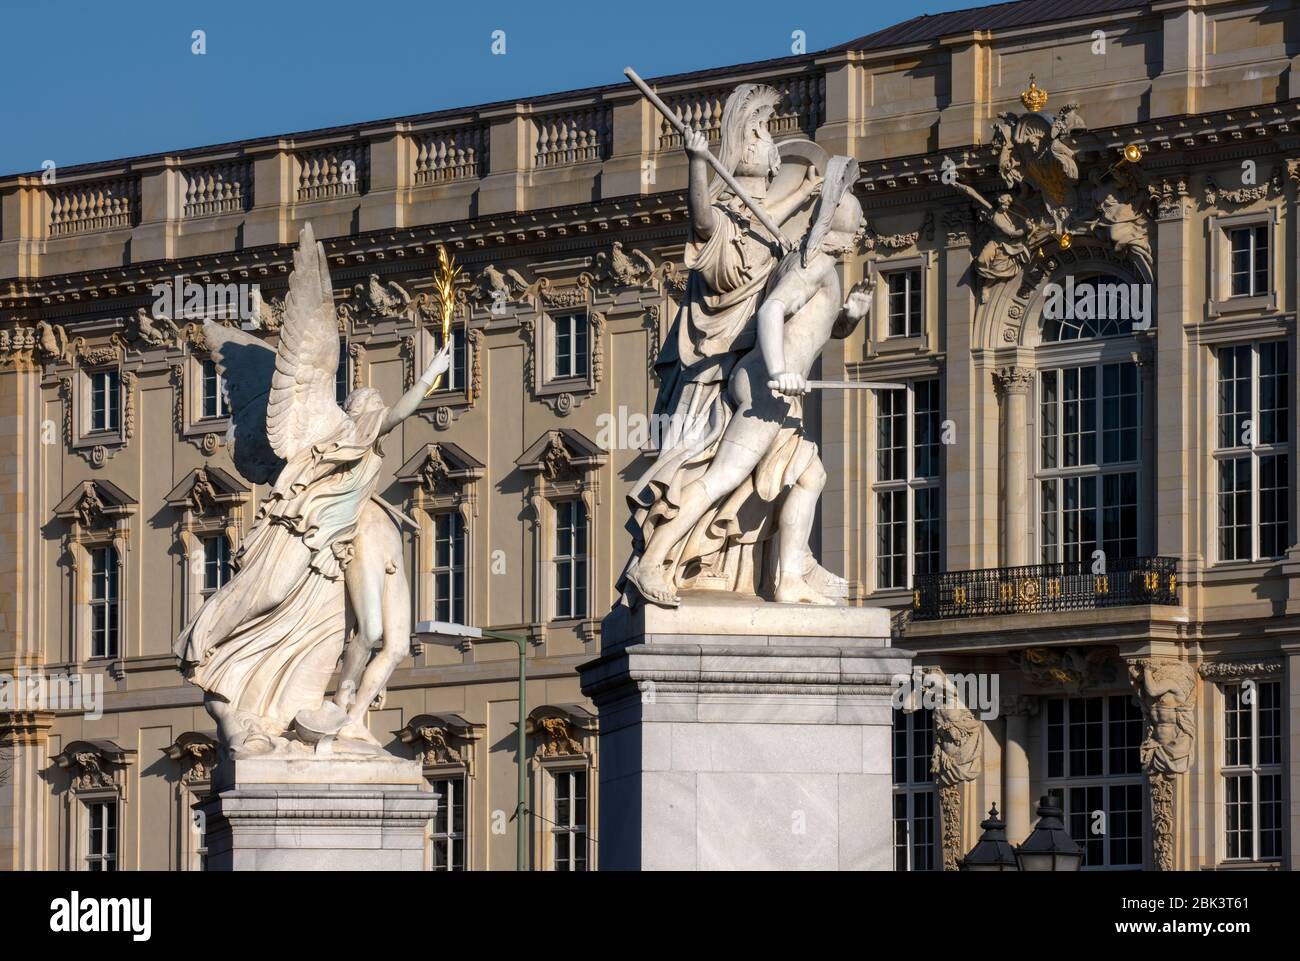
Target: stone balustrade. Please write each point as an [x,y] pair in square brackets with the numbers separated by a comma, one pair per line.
[879,100]
[572,137]
[337,170]
[450,154]
[93,206]
[499,158]
[219,188]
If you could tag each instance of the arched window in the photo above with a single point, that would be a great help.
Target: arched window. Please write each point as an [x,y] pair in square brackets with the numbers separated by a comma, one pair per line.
[1102,305]
[1090,474]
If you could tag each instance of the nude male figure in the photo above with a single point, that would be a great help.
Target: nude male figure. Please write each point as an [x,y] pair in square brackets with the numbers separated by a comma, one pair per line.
[794,323]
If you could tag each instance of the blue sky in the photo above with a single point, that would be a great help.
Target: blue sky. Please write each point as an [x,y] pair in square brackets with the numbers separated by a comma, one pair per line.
[101,80]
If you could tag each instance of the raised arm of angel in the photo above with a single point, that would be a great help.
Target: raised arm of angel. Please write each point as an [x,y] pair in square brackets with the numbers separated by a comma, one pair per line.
[405,407]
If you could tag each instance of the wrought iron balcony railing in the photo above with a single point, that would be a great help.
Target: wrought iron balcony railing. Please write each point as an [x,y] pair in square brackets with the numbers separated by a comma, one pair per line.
[1071,586]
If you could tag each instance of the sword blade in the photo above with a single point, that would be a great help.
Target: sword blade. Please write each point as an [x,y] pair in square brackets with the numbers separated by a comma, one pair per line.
[854,385]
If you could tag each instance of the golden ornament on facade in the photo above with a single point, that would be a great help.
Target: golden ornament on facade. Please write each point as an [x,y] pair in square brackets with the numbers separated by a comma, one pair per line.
[1028,591]
[1035,98]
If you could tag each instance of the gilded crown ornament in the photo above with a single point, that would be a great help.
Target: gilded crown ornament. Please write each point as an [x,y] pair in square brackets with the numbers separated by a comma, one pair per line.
[1035,98]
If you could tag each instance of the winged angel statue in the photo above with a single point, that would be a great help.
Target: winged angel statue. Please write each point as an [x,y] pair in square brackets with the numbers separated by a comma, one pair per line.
[264,647]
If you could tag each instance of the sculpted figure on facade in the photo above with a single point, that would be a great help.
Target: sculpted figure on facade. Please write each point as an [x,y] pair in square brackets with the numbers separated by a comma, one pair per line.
[1119,218]
[264,646]
[1167,692]
[957,757]
[496,289]
[757,485]
[150,331]
[51,341]
[1003,251]
[1036,158]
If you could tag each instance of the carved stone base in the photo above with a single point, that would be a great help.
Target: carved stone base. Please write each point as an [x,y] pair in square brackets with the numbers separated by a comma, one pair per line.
[318,814]
[745,735]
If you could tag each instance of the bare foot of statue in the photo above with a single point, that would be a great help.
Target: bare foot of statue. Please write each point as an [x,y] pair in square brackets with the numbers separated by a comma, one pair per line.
[651,584]
[793,589]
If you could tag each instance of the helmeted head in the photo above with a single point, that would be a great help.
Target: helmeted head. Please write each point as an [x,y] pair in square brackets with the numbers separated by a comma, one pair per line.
[837,221]
[747,148]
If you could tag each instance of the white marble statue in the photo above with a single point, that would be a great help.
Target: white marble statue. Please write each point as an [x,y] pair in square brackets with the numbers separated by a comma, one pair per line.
[760,477]
[265,645]
[732,258]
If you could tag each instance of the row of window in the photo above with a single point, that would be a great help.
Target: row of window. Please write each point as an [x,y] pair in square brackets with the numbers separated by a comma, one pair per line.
[570,563]
[1250,275]
[1094,771]
[570,357]
[1090,469]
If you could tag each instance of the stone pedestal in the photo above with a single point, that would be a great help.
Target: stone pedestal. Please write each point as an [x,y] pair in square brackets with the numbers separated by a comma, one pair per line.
[318,813]
[739,735]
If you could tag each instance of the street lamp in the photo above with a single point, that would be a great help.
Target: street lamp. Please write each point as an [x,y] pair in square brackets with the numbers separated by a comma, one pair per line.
[449,634]
[992,852]
[1049,846]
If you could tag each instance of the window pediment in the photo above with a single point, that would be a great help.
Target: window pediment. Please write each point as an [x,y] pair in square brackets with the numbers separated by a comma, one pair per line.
[207,490]
[96,504]
[95,764]
[560,730]
[442,740]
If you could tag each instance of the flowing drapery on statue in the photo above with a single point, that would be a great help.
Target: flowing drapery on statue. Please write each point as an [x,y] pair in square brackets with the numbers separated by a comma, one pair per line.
[264,646]
[763,477]
[731,258]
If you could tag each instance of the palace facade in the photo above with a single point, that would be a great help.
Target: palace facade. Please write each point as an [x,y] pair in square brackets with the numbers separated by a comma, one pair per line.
[1084,497]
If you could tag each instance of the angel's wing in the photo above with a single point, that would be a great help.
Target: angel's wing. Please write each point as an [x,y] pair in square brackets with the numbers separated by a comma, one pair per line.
[301,408]
[246,365]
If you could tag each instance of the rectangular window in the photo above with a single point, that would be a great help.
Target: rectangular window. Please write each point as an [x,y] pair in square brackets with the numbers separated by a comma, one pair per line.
[915,822]
[105,400]
[455,378]
[905,316]
[1253,451]
[216,563]
[1249,261]
[104,623]
[570,559]
[909,510]
[449,825]
[1252,771]
[1089,456]
[214,391]
[569,827]
[449,567]
[571,352]
[1094,771]
[342,382]
[101,835]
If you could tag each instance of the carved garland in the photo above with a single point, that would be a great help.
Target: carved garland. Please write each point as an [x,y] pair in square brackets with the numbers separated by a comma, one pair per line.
[1236,670]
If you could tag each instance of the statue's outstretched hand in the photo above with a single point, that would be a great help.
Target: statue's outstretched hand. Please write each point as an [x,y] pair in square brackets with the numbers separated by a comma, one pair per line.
[858,304]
